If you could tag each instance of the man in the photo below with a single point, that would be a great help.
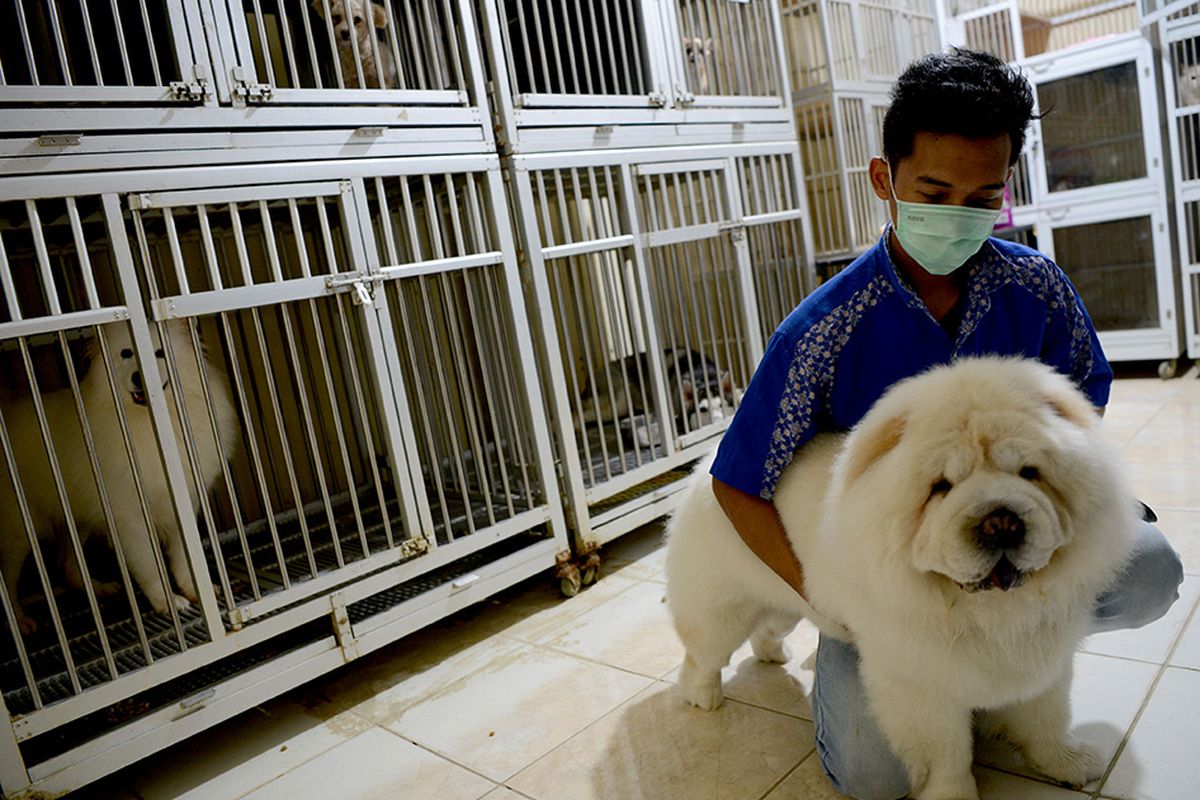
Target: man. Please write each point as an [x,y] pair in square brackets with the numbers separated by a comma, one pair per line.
[934,288]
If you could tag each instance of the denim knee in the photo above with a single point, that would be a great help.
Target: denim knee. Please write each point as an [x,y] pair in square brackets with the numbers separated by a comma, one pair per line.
[862,781]
[853,751]
[1147,587]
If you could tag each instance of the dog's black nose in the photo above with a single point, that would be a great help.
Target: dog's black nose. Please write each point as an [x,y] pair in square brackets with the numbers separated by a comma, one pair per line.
[137,380]
[346,35]
[1001,529]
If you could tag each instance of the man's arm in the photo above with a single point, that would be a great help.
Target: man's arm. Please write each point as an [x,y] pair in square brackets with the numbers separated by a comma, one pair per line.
[757,522]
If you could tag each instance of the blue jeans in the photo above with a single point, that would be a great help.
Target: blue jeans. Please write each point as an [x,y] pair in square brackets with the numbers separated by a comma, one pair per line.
[852,749]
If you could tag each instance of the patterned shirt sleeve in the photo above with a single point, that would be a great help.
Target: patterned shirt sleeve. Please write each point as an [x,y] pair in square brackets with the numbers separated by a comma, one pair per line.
[774,418]
[1071,344]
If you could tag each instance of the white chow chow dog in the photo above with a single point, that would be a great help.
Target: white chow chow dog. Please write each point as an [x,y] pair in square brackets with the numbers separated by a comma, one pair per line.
[356,21]
[958,536]
[37,482]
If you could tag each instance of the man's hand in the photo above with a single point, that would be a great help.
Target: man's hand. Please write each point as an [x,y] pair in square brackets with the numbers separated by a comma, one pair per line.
[757,522]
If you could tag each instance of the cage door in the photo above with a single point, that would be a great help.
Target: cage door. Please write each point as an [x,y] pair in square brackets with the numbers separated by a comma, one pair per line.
[91,52]
[701,292]
[726,53]
[269,284]
[330,52]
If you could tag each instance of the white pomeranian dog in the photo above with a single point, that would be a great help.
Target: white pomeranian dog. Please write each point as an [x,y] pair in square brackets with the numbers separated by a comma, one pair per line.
[40,491]
[356,21]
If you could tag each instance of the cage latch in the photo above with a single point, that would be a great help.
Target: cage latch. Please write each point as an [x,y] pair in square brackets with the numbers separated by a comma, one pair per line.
[658,99]
[685,95]
[360,284]
[736,230]
[247,92]
[195,90]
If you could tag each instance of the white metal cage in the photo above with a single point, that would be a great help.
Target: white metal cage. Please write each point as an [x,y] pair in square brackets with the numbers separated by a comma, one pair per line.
[568,75]
[657,277]
[839,134]
[285,398]
[1101,176]
[859,45]
[73,75]
[1016,29]
[1179,36]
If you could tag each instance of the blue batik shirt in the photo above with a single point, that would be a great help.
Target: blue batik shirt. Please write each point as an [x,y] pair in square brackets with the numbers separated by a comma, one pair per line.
[865,329]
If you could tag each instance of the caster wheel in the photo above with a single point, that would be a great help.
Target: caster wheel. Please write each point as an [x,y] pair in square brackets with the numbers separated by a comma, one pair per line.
[1168,369]
[569,585]
[589,576]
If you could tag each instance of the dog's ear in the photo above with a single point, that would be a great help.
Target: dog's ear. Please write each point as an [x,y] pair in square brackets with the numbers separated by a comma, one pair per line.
[380,14]
[319,8]
[870,443]
[708,46]
[1072,407]
[727,385]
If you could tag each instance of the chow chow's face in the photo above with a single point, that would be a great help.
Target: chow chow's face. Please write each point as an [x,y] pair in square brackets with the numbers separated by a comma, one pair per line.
[981,472]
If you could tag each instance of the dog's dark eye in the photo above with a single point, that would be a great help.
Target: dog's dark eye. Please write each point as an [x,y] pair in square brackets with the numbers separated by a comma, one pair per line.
[126,353]
[337,19]
[358,20]
[940,487]
[159,353]
[1030,473]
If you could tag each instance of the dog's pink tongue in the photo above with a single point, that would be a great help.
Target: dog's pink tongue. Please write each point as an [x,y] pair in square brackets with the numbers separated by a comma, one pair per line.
[1004,575]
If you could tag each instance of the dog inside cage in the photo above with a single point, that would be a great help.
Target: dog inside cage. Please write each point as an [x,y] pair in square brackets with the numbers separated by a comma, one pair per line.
[729,48]
[88,43]
[355,44]
[91,551]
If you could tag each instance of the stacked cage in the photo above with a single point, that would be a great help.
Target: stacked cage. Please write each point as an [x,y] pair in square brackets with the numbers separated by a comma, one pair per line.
[1103,184]
[1179,35]
[256,419]
[843,56]
[1093,186]
[655,175]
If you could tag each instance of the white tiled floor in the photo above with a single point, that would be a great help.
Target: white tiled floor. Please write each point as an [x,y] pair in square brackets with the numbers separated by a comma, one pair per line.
[528,696]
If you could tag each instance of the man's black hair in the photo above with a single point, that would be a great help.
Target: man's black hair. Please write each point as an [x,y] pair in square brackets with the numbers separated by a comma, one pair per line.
[965,92]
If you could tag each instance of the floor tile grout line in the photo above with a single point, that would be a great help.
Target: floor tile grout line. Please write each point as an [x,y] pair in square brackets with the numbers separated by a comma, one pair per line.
[787,774]
[446,757]
[1158,676]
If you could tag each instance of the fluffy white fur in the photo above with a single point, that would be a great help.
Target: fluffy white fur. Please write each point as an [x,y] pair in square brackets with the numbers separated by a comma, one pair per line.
[893,561]
[37,483]
[355,21]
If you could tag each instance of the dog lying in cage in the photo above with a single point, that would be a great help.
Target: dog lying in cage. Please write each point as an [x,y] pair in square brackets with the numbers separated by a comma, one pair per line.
[357,24]
[698,392]
[70,448]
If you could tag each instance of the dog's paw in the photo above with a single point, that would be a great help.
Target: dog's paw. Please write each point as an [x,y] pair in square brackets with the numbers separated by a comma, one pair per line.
[705,698]
[772,651]
[181,603]
[701,688]
[1068,763]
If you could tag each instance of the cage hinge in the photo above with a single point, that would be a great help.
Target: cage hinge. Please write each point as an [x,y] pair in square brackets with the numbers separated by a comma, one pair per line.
[658,99]
[360,284]
[684,94]
[246,92]
[196,90]
[342,629]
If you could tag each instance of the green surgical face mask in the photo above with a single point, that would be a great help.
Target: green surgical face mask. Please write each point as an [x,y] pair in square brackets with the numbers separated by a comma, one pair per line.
[941,238]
